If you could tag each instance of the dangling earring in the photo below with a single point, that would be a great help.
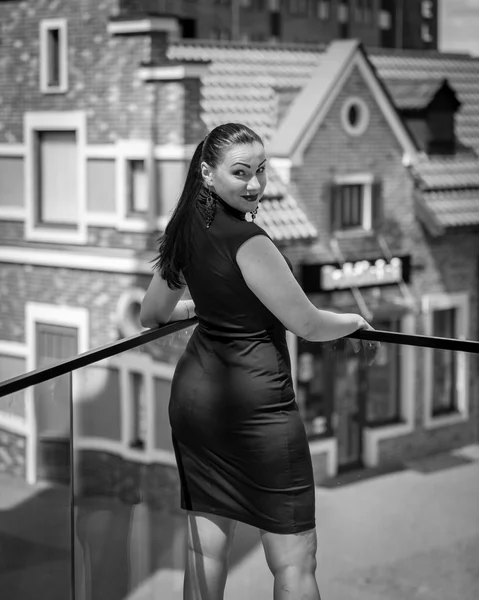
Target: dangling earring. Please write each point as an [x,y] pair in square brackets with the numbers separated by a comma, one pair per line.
[253,214]
[210,208]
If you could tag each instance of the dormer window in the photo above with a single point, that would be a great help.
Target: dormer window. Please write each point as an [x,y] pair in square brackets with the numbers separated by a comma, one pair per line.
[53,56]
[428,107]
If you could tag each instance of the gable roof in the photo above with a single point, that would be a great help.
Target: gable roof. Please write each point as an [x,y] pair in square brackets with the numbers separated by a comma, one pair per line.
[326,81]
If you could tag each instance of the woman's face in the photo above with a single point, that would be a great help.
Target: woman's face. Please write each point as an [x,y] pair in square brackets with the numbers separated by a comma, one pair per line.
[240,178]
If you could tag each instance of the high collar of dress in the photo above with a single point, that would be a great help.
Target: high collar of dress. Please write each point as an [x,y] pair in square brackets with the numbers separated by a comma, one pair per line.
[238,214]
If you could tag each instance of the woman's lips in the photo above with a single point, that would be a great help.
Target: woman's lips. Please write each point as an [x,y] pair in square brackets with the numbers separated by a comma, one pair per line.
[250,198]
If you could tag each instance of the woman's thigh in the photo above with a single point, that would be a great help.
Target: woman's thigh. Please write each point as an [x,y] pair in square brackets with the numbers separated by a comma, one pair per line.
[210,535]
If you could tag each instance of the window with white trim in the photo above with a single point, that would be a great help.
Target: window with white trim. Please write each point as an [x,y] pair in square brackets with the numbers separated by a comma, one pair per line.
[57,160]
[55,176]
[444,379]
[355,204]
[135,180]
[137,186]
[53,56]
[446,372]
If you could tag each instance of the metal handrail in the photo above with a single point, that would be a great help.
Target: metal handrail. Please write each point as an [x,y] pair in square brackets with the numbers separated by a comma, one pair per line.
[21,382]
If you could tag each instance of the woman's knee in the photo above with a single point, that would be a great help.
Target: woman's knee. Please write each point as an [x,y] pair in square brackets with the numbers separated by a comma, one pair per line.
[285,552]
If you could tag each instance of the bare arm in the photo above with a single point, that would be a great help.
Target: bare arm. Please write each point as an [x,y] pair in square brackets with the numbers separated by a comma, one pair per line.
[162,304]
[268,276]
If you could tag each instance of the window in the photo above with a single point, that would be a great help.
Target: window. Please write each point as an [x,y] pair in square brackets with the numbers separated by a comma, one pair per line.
[101,187]
[444,390]
[356,204]
[385,20]
[57,157]
[55,182]
[53,56]
[12,187]
[53,344]
[383,390]
[427,9]
[137,186]
[324,9]
[355,116]
[446,373]
[138,431]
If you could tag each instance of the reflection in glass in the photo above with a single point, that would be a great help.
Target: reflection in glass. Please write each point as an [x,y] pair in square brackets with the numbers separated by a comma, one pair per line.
[35,533]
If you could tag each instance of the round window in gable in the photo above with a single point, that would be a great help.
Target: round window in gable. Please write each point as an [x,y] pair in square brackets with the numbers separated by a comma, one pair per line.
[355,116]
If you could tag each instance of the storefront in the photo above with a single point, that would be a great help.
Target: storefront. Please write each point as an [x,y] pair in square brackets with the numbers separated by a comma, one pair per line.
[340,396]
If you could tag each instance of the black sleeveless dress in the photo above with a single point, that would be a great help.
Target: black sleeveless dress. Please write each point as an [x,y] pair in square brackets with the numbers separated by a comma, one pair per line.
[239,440]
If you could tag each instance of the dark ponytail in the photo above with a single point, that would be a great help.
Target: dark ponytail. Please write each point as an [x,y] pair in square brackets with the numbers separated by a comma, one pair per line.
[174,246]
[174,243]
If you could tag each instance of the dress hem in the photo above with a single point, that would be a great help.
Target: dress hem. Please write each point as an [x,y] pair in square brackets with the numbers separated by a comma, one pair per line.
[252,522]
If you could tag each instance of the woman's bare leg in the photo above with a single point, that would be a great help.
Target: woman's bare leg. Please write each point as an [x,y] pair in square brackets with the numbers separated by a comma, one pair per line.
[292,560]
[209,541]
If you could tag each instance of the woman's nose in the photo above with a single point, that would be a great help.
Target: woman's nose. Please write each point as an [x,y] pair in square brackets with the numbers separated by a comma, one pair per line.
[254,185]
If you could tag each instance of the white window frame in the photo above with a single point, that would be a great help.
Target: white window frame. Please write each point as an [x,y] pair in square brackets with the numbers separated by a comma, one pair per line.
[53,314]
[53,121]
[460,302]
[134,150]
[46,26]
[366,180]
[13,213]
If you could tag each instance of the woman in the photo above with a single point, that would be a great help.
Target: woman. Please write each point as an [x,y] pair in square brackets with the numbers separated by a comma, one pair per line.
[240,444]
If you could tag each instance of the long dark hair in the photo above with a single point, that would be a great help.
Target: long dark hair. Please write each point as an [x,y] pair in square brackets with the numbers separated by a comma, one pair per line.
[174,244]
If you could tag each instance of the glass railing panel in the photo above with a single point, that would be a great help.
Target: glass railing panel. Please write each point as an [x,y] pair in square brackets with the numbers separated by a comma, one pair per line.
[129,528]
[35,499]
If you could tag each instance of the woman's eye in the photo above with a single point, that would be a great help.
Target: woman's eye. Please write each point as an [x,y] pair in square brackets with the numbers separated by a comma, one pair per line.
[239,173]
[261,170]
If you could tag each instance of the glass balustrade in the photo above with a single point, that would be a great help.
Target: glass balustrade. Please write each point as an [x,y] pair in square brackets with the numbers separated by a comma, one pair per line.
[89,491]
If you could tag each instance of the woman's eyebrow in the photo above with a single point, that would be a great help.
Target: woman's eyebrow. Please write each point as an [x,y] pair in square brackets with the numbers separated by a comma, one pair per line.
[246,164]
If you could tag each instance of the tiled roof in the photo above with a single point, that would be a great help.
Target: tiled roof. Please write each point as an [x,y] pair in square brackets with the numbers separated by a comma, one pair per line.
[413,94]
[243,80]
[461,70]
[454,208]
[280,215]
[445,173]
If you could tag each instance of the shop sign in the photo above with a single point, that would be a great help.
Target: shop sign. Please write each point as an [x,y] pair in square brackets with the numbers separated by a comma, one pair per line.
[362,273]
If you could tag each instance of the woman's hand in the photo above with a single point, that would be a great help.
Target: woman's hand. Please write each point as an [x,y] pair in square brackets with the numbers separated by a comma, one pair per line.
[369,347]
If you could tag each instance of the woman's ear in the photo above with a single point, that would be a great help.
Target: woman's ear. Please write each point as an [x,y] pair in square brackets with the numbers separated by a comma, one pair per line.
[206,173]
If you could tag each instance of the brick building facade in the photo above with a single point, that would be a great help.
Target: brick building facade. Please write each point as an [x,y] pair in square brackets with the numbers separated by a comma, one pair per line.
[95,134]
